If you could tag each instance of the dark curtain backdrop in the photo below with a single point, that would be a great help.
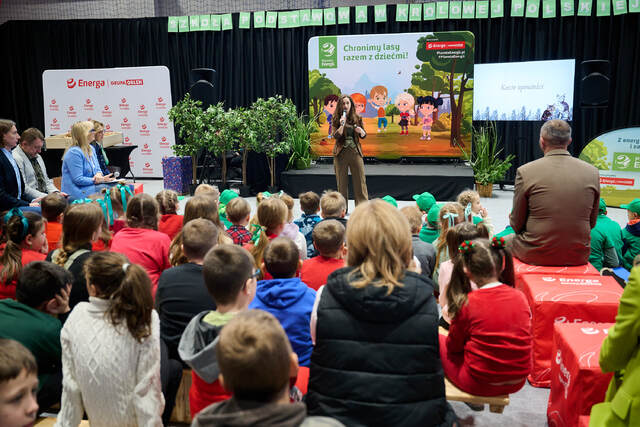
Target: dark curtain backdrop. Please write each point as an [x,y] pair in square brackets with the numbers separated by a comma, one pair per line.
[259,63]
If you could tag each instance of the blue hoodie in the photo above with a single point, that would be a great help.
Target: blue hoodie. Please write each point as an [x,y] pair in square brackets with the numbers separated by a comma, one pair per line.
[291,302]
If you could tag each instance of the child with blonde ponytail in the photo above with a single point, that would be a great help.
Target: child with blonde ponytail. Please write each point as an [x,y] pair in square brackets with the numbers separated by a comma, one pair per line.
[111,349]
[272,217]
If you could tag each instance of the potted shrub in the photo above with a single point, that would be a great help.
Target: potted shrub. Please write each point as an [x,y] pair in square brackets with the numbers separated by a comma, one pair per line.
[216,137]
[487,167]
[298,134]
[241,135]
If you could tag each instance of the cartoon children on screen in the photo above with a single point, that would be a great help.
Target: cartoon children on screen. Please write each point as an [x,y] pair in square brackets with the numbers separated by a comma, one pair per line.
[361,103]
[330,102]
[404,103]
[427,105]
[379,100]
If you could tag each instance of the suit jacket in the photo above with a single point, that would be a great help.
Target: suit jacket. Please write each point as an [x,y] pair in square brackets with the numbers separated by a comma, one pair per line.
[9,187]
[555,206]
[29,176]
[339,145]
[77,173]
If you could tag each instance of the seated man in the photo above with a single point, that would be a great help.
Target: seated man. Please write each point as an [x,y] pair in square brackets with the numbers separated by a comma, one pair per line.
[12,192]
[27,155]
[555,204]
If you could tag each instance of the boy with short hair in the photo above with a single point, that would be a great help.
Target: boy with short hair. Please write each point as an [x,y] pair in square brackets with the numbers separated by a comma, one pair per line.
[238,213]
[425,252]
[42,293]
[181,293]
[631,234]
[333,206]
[310,205]
[256,363]
[225,197]
[53,206]
[328,239]
[230,277]
[18,382]
[286,296]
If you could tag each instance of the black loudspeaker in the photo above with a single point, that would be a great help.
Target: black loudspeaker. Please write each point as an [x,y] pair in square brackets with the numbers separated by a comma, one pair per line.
[594,83]
[202,81]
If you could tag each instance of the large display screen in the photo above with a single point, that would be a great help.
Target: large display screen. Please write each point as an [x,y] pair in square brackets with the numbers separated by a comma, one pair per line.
[535,90]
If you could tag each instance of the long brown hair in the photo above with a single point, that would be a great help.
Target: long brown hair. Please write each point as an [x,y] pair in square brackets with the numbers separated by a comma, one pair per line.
[352,117]
[11,258]
[272,213]
[167,201]
[461,232]
[142,212]
[380,250]
[80,222]
[452,208]
[483,261]
[126,286]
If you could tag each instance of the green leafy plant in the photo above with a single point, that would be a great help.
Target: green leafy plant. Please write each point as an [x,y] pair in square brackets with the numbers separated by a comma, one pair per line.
[487,167]
[240,134]
[298,134]
[188,117]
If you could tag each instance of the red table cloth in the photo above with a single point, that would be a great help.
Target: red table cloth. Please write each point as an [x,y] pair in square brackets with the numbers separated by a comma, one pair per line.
[520,269]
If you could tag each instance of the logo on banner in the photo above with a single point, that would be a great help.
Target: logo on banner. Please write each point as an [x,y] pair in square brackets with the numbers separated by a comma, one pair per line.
[55,125]
[164,142]
[128,82]
[71,83]
[123,104]
[142,112]
[328,53]
[88,106]
[160,104]
[53,106]
[126,141]
[147,169]
[549,279]
[106,111]
[146,150]
[131,162]
[144,131]
[565,376]
[107,127]
[162,124]
[125,125]
[71,112]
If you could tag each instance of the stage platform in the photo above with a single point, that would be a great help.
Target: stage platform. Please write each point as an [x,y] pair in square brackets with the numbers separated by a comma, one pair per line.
[444,181]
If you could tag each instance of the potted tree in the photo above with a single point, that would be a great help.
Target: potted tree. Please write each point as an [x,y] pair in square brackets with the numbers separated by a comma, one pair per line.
[298,134]
[216,136]
[241,135]
[487,167]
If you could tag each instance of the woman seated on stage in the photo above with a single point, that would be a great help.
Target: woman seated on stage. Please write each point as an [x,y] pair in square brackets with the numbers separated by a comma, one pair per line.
[81,173]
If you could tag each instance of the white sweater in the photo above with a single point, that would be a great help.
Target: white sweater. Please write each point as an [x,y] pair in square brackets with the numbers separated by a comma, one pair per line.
[107,372]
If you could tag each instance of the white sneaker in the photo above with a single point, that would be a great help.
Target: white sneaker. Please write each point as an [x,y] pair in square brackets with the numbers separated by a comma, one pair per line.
[385,129]
[379,130]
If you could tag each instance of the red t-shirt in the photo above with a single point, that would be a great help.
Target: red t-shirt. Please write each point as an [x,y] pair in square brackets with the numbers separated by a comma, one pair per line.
[148,248]
[53,230]
[118,224]
[170,224]
[9,290]
[315,270]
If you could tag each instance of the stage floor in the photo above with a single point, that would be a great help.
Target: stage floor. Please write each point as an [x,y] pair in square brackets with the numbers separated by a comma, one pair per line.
[444,181]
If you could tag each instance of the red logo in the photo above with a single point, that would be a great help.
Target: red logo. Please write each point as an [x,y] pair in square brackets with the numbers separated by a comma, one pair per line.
[125,120]
[88,101]
[160,99]
[71,83]
[163,142]
[147,165]
[144,126]
[445,45]
[106,107]
[70,107]
[126,141]
[108,127]
[164,138]
[142,107]
[162,119]
[55,120]
[123,100]
[53,101]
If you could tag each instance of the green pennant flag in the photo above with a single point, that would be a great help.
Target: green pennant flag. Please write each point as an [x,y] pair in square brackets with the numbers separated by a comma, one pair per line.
[258,19]
[619,7]
[226,21]
[295,18]
[566,8]
[305,17]
[380,13]
[497,8]
[468,9]
[533,8]
[634,6]
[245,20]
[283,20]
[603,7]
[455,10]
[517,7]
[429,11]
[205,22]
[173,24]
[548,8]
[361,14]
[194,23]
[584,7]
[402,12]
[272,20]
[415,12]
[343,15]
[316,17]
[330,16]
[442,10]
[215,23]
[183,24]
[482,9]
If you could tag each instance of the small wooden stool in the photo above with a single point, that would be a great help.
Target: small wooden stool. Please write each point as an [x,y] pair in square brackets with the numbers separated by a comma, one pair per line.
[181,412]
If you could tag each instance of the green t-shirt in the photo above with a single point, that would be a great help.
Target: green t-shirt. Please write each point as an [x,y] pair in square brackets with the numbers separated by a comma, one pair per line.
[428,234]
[600,245]
[612,230]
[215,318]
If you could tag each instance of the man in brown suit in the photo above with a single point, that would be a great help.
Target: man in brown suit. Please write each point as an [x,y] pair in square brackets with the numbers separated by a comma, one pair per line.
[555,204]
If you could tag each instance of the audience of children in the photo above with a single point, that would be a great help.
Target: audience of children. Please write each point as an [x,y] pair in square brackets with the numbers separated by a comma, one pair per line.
[487,351]
[230,277]
[374,326]
[26,242]
[53,206]
[286,296]
[140,241]
[238,212]
[170,222]
[328,240]
[111,346]
[290,229]
[82,225]
[181,290]
[310,206]
[42,294]
[256,362]
[18,385]
[425,252]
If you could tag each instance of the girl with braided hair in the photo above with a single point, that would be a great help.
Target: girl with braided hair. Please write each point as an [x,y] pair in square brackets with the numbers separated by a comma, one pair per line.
[488,349]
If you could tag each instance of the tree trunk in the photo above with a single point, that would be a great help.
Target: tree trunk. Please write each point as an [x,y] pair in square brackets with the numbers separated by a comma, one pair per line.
[194,165]
[455,127]
[458,127]
[272,172]
[315,102]
[392,118]
[224,169]
[244,166]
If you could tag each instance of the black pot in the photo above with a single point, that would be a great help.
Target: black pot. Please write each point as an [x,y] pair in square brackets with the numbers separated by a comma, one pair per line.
[245,191]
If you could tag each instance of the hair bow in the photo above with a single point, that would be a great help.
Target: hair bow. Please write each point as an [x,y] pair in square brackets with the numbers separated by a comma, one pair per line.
[451,217]
[465,246]
[124,189]
[107,207]
[81,201]
[498,242]
[255,235]
[468,213]
[25,224]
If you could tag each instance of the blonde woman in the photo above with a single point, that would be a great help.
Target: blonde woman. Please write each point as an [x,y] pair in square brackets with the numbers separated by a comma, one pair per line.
[81,173]
[375,330]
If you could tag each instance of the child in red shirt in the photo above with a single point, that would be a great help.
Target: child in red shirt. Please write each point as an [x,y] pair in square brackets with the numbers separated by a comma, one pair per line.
[488,349]
[53,206]
[328,239]
[170,222]
[26,242]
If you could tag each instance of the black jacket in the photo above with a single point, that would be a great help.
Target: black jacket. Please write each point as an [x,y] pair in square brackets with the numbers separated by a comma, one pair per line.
[9,186]
[376,361]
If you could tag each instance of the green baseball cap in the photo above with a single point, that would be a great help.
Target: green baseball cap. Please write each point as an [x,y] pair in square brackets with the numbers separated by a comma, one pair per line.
[424,200]
[390,200]
[603,207]
[634,206]
[226,196]
[434,212]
